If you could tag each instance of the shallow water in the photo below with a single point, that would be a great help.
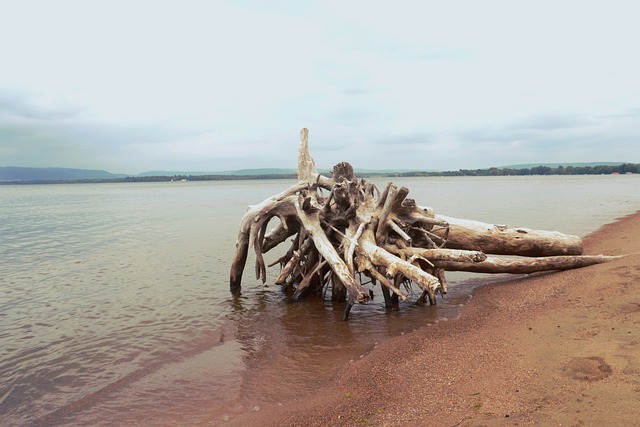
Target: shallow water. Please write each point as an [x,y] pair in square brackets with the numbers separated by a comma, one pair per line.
[115,309]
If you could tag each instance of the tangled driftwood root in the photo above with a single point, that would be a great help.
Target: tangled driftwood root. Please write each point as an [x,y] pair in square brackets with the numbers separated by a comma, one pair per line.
[345,232]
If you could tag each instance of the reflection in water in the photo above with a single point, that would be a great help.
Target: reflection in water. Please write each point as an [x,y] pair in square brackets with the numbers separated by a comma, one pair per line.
[115,306]
[295,347]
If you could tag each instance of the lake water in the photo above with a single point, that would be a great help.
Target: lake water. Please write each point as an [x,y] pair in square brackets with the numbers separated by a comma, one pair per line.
[115,308]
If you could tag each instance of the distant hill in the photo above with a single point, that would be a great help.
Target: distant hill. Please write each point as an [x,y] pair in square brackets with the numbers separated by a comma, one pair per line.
[555,165]
[239,172]
[22,174]
[14,173]
[266,171]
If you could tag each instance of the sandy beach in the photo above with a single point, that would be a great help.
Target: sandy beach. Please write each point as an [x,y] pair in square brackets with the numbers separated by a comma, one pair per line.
[550,349]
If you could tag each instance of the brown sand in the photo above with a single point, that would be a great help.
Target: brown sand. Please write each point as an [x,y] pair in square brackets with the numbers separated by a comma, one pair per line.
[551,349]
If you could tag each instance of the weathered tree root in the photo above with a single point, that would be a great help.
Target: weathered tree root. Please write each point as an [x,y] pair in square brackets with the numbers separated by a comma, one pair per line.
[344,228]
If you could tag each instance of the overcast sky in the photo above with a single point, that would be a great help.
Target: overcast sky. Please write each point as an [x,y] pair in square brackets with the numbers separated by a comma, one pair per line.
[131,86]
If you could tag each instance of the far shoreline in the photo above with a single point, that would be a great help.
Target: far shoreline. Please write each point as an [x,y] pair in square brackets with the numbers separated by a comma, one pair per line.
[189,178]
[541,170]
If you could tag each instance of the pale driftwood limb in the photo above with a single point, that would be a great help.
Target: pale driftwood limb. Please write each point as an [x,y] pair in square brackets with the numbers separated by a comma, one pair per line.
[268,208]
[432,255]
[505,240]
[353,242]
[399,231]
[384,214]
[439,273]
[258,230]
[519,265]
[454,255]
[383,196]
[306,165]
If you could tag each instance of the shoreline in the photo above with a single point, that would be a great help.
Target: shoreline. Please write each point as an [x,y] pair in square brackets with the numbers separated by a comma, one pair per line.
[549,348]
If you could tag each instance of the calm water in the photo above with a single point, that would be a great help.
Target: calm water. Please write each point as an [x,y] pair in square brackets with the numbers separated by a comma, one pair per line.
[114,302]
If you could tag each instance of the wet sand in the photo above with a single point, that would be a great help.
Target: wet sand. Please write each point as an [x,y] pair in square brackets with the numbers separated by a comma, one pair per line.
[549,349]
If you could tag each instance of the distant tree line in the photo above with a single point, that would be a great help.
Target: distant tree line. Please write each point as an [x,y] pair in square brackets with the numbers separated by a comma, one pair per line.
[157,178]
[538,170]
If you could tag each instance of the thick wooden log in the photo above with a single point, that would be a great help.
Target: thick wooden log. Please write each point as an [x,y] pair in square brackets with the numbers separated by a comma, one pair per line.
[523,265]
[506,240]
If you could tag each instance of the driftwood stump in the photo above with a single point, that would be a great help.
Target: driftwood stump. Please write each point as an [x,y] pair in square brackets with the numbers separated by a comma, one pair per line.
[344,232]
